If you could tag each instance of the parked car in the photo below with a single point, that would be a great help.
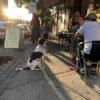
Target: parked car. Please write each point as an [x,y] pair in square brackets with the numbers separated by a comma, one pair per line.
[25,29]
[3,25]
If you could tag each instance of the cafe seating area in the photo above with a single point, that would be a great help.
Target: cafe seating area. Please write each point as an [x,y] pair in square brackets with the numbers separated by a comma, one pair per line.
[66,40]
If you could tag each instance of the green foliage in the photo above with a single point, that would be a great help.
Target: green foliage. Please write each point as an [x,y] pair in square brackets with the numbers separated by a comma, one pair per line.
[25,2]
[47,17]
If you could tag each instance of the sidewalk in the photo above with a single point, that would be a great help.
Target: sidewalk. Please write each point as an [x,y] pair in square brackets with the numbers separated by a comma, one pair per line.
[56,82]
[23,85]
[70,82]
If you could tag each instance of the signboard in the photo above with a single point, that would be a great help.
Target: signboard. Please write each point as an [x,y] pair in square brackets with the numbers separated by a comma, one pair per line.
[12,37]
[33,7]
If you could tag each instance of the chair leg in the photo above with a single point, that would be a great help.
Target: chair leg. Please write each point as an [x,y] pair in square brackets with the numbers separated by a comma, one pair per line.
[85,71]
[70,51]
[77,58]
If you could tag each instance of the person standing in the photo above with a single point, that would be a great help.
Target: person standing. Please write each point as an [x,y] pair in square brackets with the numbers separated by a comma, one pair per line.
[35,28]
[46,31]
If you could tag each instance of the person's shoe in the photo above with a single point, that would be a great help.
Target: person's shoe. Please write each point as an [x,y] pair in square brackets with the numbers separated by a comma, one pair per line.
[18,69]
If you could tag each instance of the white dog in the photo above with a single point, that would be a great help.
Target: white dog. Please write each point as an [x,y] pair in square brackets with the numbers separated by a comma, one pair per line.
[36,57]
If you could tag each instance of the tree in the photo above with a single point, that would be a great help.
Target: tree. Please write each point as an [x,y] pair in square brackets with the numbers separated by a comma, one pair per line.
[45,15]
[23,2]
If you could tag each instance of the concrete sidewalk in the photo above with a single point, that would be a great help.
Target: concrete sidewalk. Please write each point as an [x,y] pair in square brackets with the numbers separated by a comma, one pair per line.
[55,82]
[23,85]
[70,83]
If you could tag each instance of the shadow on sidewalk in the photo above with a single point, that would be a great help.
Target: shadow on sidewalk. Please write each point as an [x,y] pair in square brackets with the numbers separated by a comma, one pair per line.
[56,50]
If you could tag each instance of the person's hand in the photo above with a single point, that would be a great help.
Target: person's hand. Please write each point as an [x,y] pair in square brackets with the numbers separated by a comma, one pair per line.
[80,39]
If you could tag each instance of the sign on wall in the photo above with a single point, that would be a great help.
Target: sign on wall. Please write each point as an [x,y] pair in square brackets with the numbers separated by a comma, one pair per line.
[12,37]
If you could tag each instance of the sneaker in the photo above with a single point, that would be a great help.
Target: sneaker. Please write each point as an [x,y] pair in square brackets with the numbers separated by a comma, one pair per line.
[18,69]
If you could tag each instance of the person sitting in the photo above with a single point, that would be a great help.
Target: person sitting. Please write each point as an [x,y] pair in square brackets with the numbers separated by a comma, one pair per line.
[74,40]
[36,57]
[90,31]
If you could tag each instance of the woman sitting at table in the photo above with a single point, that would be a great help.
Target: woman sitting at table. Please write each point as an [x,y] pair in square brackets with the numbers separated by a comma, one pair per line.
[75,41]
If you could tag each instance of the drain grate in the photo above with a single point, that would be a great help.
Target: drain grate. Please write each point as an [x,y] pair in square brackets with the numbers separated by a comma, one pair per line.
[5,59]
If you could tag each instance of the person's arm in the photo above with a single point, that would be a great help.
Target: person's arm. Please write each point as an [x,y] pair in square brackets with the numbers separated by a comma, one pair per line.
[79,34]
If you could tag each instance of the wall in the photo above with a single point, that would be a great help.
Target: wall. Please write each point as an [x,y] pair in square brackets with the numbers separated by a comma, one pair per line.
[3,5]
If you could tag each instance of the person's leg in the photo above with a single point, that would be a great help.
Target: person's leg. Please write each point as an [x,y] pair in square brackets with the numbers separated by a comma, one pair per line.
[37,35]
[33,35]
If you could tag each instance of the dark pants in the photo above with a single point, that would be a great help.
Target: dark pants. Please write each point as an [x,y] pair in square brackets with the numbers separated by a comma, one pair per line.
[35,35]
[94,55]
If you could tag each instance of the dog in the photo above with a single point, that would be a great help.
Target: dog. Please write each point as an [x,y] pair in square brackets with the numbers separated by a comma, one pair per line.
[36,57]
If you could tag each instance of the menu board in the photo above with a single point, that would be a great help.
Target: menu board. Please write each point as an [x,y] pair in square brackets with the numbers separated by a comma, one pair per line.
[12,37]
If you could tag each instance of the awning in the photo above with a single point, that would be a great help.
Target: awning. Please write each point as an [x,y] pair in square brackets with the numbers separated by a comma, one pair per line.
[50,3]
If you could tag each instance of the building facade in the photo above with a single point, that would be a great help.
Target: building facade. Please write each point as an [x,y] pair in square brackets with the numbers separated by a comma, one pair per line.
[3,5]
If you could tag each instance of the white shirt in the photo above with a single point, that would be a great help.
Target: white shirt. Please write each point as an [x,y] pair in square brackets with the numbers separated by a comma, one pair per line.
[91,32]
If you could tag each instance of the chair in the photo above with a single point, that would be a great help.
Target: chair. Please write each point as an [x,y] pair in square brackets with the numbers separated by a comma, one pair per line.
[60,37]
[73,45]
[71,42]
[90,60]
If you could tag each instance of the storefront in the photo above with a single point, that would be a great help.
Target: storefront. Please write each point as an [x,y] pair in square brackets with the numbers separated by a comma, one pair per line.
[68,10]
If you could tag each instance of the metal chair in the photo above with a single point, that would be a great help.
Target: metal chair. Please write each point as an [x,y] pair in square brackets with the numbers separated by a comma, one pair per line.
[60,37]
[73,45]
[89,60]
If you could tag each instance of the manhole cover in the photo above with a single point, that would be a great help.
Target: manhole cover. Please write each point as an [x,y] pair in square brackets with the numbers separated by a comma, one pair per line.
[5,59]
